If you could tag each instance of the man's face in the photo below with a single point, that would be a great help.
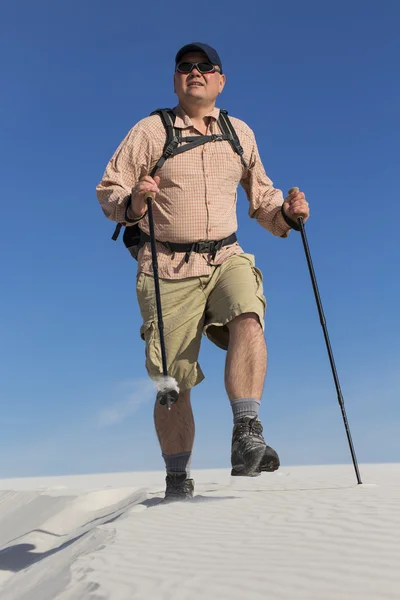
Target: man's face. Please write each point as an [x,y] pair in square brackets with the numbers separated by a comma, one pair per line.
[196,87]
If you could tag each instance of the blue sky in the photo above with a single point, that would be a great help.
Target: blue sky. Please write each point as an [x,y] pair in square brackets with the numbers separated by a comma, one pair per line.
[318,83]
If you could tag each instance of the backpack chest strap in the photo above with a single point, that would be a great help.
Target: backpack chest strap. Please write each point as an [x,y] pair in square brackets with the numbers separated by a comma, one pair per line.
[191,142]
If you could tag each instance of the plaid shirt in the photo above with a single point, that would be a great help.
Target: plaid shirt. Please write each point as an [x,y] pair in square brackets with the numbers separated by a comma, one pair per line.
[198,192]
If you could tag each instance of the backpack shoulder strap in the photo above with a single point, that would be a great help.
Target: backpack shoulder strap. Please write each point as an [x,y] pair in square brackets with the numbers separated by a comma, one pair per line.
[172,140]
[228,129]
[173,136]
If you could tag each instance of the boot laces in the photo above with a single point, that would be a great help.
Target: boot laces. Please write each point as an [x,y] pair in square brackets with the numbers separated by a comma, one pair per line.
[252,427]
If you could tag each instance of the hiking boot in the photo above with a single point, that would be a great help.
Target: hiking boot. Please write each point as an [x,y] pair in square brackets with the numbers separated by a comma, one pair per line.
[179,487]
[248,447]
[270,461]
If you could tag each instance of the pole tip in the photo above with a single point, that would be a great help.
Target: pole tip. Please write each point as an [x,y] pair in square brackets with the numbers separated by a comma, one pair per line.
[293,190]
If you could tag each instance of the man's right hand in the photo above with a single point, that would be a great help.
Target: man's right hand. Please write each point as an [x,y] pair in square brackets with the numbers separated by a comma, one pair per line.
[142,188]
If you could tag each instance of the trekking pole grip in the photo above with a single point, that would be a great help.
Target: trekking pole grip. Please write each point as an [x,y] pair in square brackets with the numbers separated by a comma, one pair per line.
[292,191]
[150,196]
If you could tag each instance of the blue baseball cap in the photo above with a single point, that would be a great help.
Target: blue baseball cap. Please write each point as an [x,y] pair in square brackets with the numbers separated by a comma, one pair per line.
[211,54]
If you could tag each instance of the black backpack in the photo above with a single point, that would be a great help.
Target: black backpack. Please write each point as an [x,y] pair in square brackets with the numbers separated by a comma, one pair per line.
[132,237]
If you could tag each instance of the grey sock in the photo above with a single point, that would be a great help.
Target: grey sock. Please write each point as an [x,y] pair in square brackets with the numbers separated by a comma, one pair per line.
[178,463]
[244,407]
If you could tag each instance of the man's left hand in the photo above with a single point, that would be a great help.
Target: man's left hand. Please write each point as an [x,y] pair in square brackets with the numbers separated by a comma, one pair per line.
[295,206]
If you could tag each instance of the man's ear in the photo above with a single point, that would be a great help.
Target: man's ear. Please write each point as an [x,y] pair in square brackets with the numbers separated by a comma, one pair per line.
[222,82]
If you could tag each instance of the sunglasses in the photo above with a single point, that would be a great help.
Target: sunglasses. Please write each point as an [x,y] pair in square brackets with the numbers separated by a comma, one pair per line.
[202,67]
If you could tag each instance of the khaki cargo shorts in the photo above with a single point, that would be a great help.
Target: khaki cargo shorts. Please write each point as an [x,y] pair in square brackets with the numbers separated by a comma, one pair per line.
[194,306]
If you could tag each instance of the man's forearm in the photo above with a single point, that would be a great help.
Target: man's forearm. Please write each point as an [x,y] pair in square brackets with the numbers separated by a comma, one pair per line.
[113,201]
[136,208]
[271,218]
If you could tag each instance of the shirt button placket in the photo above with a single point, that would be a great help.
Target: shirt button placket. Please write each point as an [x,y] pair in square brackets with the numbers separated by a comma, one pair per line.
[207,200]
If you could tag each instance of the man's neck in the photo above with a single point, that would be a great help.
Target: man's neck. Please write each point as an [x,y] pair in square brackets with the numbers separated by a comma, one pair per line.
[197,112]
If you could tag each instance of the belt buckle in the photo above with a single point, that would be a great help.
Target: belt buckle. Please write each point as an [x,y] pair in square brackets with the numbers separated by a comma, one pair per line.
[205,246]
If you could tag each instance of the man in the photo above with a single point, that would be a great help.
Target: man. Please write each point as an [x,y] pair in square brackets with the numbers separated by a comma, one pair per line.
[218,292]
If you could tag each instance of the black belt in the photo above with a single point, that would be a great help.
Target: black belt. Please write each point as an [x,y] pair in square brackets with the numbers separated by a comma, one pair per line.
[204,247]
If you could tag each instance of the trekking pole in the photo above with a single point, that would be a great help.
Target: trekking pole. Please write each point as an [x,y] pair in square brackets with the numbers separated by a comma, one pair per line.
[328,344]
[168,388]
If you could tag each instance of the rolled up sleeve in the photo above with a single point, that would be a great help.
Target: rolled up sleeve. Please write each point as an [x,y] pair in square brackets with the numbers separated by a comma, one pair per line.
[265,200]
[129,163]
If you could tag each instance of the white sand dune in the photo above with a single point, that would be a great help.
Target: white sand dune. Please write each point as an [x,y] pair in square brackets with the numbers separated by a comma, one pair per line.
[302,533]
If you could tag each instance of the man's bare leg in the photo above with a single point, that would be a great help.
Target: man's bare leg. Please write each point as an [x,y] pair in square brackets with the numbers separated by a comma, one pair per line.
[175,432]
[175,427]
[246,360]
[246,365]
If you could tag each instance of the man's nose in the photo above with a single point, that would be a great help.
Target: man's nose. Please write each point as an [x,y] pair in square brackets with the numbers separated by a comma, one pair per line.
[195,72]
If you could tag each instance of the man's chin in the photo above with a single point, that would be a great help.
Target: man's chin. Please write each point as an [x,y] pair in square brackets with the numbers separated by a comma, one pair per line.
[195,97]
[196,89]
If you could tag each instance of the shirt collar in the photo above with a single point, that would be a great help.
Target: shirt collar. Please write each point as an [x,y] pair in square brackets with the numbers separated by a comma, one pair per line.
[182,120]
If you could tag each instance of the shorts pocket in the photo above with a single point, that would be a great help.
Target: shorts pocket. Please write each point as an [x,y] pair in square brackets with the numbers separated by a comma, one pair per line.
[149,334]
[260,288]
[140,277]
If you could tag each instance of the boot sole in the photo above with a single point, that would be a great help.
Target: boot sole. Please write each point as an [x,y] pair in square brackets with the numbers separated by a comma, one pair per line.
[251,468]
[269,467]
[172,499]
[245,474]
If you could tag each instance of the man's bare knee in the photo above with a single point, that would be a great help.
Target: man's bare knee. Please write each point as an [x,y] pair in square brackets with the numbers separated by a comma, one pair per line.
[183,398]
[248,321]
